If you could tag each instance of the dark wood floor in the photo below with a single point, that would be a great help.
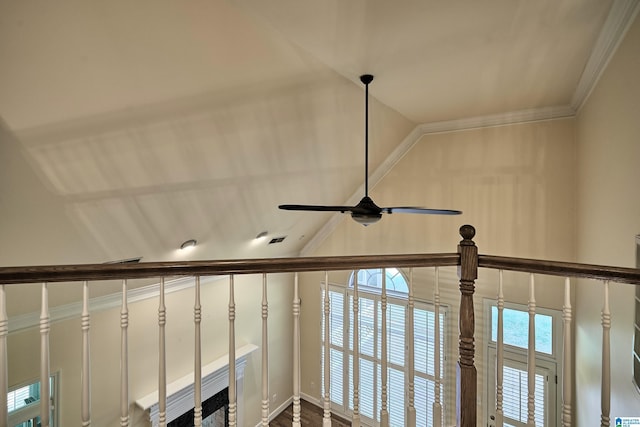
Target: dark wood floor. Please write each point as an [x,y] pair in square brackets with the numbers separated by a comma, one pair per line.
[310,415]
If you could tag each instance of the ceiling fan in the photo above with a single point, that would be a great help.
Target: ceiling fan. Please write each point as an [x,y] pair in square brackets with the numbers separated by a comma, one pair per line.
[366,212]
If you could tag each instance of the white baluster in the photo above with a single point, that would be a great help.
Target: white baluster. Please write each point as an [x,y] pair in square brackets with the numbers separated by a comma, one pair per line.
[86,358]
[265,354]
[4,373]
[326,417]
[355,420]
[567,367]
[233,406]
[411,410]
[45,392]
[296,353]
[124,359]
[437,406]
[384,412]
[531,353]
[606,359]
[500,355]
[197,358]
[162,364]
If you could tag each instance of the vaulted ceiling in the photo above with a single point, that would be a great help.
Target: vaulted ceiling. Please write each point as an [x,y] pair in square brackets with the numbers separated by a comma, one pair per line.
[143,124]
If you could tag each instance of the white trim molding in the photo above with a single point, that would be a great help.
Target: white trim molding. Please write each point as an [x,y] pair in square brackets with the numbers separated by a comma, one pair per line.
[621,15]
[274,413]
[215,378]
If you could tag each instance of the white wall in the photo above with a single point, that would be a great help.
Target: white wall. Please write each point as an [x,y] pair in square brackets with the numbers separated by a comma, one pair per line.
[514,183]
[608,131]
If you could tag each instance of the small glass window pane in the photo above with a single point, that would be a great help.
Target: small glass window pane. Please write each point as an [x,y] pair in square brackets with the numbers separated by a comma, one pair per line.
[27,398]
[516,329]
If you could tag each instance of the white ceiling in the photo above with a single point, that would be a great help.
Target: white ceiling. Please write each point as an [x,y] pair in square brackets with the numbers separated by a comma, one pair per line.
[149,123]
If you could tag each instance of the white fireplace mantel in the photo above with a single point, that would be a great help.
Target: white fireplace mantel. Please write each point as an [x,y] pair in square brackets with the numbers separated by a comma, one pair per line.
[215,377]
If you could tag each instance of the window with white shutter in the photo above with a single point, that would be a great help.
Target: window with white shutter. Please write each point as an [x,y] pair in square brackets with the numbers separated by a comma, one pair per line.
[23,404]
[515,376]
[370,345]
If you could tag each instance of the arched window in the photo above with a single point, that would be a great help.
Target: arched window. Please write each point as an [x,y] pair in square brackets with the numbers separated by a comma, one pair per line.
[372,278]
[341,347]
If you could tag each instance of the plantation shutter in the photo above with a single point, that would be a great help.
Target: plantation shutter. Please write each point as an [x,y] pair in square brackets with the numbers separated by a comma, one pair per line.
[368,330]
[17,399]
[367,387]
[370,357]
[515,389]
[336,339]
[396,322]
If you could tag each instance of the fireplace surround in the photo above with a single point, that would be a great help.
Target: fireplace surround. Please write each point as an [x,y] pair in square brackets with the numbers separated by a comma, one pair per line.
[215,379]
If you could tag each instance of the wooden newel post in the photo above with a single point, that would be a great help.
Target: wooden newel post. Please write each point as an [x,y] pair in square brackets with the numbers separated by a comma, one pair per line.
[466,374]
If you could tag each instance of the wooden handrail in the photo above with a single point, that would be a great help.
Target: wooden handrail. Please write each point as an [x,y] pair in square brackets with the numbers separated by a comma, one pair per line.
[66,273]
[69,273]
[559,268]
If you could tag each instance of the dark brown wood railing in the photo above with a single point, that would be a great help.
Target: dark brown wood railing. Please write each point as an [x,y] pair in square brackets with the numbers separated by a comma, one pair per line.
[563,269]
[467,259]
[68,273]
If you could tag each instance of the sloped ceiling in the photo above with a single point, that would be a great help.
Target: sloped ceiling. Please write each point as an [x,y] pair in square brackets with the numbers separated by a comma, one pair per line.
[144,124]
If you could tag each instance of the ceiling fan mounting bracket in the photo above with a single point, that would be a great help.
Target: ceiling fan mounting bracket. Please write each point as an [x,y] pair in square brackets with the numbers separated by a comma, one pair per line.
[366,78]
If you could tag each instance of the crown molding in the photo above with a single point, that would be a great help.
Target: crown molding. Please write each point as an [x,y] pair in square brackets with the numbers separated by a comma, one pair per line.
[621,15]
[500,119]
[73,310]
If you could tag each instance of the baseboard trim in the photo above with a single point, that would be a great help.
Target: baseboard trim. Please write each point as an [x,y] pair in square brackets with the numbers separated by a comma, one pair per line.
[278,410]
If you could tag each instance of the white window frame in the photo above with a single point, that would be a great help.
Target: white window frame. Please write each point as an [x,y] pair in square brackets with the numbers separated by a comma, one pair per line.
[32,410]
[345,352]
[545,362]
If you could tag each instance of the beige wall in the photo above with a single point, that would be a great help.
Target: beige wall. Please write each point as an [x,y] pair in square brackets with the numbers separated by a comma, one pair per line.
[608,130]
[515,184]
[65,342]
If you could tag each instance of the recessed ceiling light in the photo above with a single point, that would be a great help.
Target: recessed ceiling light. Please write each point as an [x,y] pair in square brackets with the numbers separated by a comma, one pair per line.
[189,244]
[262,235]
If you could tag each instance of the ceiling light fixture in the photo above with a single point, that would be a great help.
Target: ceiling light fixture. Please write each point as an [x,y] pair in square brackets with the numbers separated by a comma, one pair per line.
[262,235]
[189,244]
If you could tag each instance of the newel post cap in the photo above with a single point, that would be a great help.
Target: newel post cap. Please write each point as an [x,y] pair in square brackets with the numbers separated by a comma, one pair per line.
[467,232]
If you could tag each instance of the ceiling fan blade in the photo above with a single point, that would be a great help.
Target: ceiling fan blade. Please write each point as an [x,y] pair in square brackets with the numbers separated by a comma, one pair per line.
[414,210]
[317,208]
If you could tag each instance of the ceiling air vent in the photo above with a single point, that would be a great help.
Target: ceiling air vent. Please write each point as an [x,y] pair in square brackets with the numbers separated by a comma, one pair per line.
[277,240]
